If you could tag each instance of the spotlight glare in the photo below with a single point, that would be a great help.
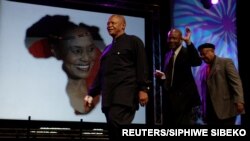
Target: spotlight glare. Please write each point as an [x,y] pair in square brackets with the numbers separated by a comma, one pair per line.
[214,1]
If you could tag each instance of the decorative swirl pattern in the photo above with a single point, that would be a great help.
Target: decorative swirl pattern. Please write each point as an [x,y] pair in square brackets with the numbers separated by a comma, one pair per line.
[216,25]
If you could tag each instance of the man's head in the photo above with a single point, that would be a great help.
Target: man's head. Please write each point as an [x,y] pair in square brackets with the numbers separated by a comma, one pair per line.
[207,52]
[116,25]
[174,38]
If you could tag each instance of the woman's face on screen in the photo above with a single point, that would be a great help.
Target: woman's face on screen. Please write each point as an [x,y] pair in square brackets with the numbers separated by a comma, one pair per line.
[78,53]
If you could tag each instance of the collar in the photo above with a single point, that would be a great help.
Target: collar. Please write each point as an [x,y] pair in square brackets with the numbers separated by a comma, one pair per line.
[176,52]
[119,37]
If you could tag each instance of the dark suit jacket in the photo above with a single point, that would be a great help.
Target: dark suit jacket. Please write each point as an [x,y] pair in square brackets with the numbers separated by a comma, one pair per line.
[123,72]
[225,87]
[183,95]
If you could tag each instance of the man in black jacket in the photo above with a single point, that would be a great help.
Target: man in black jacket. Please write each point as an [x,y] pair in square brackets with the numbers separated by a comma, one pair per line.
[177,79]
[122,77]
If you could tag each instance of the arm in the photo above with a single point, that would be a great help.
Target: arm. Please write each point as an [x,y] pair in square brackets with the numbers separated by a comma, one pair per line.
[94,90]
[194,57]
[142,73]
[89,101]
[160,75]
[235,84]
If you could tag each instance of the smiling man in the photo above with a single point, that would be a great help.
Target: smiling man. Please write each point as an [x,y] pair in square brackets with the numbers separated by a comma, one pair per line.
[122,77]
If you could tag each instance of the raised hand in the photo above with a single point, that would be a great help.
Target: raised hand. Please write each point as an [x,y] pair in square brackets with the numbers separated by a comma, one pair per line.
[187,36]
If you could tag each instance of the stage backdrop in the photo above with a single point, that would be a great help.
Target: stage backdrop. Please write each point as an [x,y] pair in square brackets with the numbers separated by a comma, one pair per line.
[36,87]
[215,25]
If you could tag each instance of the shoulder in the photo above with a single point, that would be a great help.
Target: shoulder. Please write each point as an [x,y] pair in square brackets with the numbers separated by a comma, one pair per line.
[135,41]
[134,38]
[224,59]
[227,62]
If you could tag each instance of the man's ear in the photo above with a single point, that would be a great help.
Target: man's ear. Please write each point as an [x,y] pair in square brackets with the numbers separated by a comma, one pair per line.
[124,26]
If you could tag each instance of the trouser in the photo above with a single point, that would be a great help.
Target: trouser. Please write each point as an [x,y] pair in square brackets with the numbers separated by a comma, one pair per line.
[118,117]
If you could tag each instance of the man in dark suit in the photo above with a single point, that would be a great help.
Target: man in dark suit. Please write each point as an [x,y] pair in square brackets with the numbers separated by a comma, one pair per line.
[222,92]
[122,77]
[179,88]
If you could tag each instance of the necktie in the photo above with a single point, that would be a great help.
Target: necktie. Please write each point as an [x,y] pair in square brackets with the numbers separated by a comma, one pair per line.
[169,70]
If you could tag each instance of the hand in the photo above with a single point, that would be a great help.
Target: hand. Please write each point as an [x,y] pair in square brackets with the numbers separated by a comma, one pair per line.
[187,36]
[159,74]
[88,100]
[143,98]
[239,107]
